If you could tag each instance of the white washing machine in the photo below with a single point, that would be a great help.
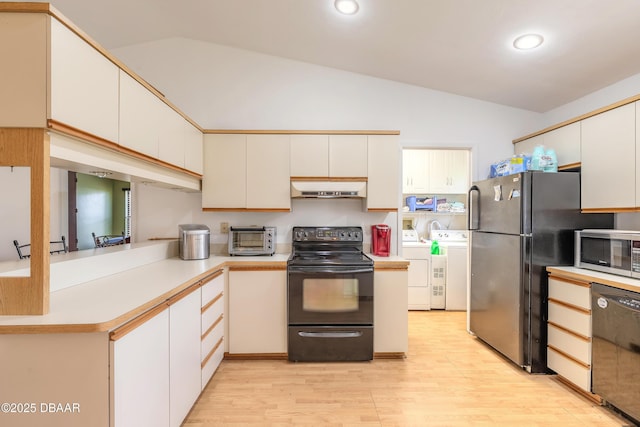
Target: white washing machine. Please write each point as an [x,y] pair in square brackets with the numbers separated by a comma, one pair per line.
[449,270]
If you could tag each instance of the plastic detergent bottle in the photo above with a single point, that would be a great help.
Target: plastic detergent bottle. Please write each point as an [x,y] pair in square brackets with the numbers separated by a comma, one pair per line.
[538,153]
[551,164]
[435,248]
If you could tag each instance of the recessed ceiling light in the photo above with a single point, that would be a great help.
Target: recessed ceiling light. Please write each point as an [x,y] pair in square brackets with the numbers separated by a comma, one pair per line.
[348,7]
[528,41]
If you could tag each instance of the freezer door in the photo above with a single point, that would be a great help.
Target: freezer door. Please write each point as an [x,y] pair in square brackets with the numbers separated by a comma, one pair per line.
[497,308]
[496,205]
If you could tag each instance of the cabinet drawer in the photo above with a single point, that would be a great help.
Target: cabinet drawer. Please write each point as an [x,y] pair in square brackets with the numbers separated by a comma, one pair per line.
[212,289]
[212,338]
[570,344]
[567,368]
[211,314]
[571,319]
[212,364]
[570,293]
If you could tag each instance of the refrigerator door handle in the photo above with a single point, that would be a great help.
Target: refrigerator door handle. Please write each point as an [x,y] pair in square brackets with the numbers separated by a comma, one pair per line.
[473,219]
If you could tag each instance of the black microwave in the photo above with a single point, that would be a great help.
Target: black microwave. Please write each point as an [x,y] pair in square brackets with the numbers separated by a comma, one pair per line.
[609,251]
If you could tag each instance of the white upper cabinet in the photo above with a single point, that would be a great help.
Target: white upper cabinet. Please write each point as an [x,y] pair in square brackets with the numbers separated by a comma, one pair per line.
[383,155]
[224,180]
[608,172]
[347,155]
[309,155]
[449,171]
[246,172]
[637,105]
[84,85]
[415,171]
[192,147]
[171,136]
[140,117]
[565,141]
[268,183]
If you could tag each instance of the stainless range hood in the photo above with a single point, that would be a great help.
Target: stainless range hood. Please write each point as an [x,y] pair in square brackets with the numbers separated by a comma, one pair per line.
[328,189]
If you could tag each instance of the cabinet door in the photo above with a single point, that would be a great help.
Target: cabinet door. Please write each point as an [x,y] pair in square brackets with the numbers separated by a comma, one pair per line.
[257,312]
[383,166]
[348,156]
[310,155]
[608,172]
[184,356]
[456,288]
[415,171]
[268,184]
[224,180]
[171,136]
[140,379]
[192,147]
[84,85]
[637,104]
[449,171]
[140,117]
[565,141]
[527,146]
[390,315]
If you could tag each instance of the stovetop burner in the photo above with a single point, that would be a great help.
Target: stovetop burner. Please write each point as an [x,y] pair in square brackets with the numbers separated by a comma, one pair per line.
[328,246]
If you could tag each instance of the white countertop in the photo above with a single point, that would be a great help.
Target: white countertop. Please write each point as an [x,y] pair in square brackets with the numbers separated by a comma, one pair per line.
[104,302]
[586,275]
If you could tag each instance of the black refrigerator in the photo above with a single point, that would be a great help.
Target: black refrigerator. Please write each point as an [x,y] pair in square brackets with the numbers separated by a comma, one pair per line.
[519,225]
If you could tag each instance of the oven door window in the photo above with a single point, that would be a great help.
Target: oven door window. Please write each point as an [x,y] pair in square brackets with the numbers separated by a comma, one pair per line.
[330,295]
[248,240]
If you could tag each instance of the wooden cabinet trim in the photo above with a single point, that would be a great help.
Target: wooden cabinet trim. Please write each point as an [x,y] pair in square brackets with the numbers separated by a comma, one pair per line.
[212,276]
[567,356]
[571,281]
[241,266]
[302,132]
[569,331]
[123,330]
[330,178]
[212,302]
[579,118]
[110,145]
[391,265]
[211,353]
[570,306]
[184,293]
[212,327]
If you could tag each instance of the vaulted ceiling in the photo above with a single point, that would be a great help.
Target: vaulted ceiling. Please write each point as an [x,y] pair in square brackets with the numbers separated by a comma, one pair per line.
[458,46]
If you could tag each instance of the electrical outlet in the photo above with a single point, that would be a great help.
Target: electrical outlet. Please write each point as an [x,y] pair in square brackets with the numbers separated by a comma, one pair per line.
[224,227]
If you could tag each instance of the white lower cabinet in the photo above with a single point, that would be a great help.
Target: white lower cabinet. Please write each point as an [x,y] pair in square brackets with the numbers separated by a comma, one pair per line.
[140,375]
[156,364]
[569,330]
[390,315]
[257,311]
[184,356]
[212,326]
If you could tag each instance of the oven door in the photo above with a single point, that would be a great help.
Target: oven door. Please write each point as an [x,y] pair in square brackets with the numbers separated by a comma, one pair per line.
[330,295]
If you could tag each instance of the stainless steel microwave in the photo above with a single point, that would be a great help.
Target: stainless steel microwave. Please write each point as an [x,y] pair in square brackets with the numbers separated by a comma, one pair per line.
[252,240]
[609,251]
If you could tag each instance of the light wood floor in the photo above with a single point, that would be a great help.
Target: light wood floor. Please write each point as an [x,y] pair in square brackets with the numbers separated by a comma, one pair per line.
[448,379]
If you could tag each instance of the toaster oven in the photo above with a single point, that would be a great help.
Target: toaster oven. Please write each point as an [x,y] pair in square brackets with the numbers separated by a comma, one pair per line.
[252,240]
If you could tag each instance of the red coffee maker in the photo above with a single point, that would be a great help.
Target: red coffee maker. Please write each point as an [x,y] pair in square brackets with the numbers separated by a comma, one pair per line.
[380,239]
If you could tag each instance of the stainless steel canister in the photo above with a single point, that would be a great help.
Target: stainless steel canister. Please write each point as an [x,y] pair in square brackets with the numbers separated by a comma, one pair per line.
[194,241]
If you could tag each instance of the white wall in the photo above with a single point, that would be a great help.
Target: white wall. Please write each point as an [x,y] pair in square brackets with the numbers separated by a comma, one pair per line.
[226,88]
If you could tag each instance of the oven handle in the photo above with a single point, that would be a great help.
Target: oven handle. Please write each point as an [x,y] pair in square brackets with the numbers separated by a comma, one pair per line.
[345,334]
[330,270]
